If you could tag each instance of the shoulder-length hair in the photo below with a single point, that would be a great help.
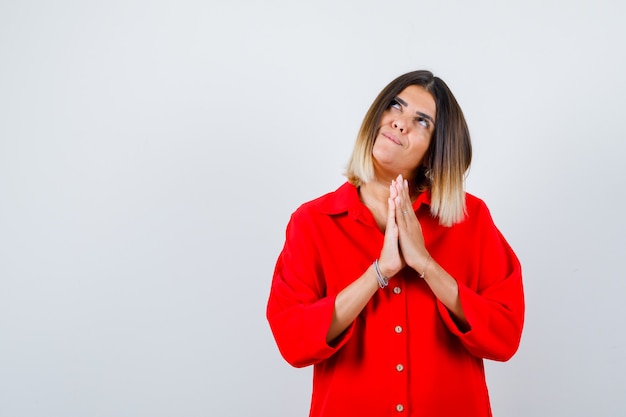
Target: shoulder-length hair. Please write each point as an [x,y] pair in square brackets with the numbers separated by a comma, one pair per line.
[447,159]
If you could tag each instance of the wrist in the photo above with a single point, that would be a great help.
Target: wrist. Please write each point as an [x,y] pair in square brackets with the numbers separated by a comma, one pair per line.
[384,269]
[421,262]
[425,266]
[383,280]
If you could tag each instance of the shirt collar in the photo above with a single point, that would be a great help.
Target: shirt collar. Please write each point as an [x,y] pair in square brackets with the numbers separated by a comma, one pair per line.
[346,199]
[423,198]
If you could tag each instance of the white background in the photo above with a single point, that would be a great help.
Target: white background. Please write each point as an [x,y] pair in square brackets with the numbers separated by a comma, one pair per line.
[151,153]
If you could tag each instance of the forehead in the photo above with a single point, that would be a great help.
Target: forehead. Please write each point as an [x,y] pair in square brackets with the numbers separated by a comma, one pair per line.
[418,99]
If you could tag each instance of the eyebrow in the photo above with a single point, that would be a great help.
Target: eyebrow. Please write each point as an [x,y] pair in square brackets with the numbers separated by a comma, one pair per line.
[419,113]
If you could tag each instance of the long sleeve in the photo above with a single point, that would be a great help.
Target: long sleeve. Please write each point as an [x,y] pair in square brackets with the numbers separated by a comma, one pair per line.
[492,296]
[299,311]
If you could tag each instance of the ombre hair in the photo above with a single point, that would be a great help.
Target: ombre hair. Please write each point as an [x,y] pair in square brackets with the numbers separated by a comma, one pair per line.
[443,168]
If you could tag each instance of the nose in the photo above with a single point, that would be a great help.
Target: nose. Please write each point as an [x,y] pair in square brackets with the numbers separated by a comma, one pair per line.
[399,124]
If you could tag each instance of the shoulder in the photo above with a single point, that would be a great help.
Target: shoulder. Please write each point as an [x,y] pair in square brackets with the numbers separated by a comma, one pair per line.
[334,202]
[476,209]
[474,203]
[312,216]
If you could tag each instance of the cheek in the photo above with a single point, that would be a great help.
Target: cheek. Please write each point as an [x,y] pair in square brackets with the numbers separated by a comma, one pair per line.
[385,119]
[422,139]
[420,146]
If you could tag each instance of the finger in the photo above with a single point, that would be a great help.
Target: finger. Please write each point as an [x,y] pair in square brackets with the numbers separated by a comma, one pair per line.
[391,204]
[393,189]
[403,204]
[391,213]
[399,185]
[406,195]
[407,205]
[400,220]
[394,193]
[391,229]
[399,182]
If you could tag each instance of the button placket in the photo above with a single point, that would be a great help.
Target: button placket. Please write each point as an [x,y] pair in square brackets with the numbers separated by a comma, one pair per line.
[398,366]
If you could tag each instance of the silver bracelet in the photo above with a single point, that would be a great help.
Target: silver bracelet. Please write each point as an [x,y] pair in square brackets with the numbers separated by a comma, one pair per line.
[383,281]
[425,266]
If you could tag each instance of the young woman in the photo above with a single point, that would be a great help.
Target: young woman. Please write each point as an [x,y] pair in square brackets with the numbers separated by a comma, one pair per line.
[398,284]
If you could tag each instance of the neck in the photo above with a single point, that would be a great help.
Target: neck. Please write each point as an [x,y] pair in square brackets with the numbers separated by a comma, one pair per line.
[375,196]
[375,191]
[378,190]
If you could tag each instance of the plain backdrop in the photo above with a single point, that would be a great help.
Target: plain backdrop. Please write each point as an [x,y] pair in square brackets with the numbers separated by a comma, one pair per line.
[151,153]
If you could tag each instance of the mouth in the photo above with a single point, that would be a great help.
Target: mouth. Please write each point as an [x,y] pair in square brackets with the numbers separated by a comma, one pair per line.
[392,138]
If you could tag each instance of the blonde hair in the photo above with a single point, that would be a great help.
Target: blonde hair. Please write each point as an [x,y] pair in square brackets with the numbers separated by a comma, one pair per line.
[448,156]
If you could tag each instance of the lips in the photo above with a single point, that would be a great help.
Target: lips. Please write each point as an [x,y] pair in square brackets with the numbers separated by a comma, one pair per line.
[392,138]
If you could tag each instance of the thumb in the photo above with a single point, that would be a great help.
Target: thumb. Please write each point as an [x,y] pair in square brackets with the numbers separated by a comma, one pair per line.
[391,227]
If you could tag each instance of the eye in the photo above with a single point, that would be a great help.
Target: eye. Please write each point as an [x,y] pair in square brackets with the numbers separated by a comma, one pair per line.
[394,104]
[422,121]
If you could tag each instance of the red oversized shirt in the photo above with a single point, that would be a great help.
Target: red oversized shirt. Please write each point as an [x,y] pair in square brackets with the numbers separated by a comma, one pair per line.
[403,355]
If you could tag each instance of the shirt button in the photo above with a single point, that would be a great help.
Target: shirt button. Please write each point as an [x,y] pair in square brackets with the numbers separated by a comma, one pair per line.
[398,329]
[397,290]
[399,367]
[399,408]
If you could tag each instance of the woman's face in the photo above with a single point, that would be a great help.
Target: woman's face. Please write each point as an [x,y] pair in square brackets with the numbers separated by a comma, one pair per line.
[404,133]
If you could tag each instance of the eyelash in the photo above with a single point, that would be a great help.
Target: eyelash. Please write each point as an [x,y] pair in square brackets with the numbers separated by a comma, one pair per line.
[421,120]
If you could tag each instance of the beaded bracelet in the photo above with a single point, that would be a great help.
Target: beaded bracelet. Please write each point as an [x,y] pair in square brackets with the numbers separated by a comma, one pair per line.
[383,281]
